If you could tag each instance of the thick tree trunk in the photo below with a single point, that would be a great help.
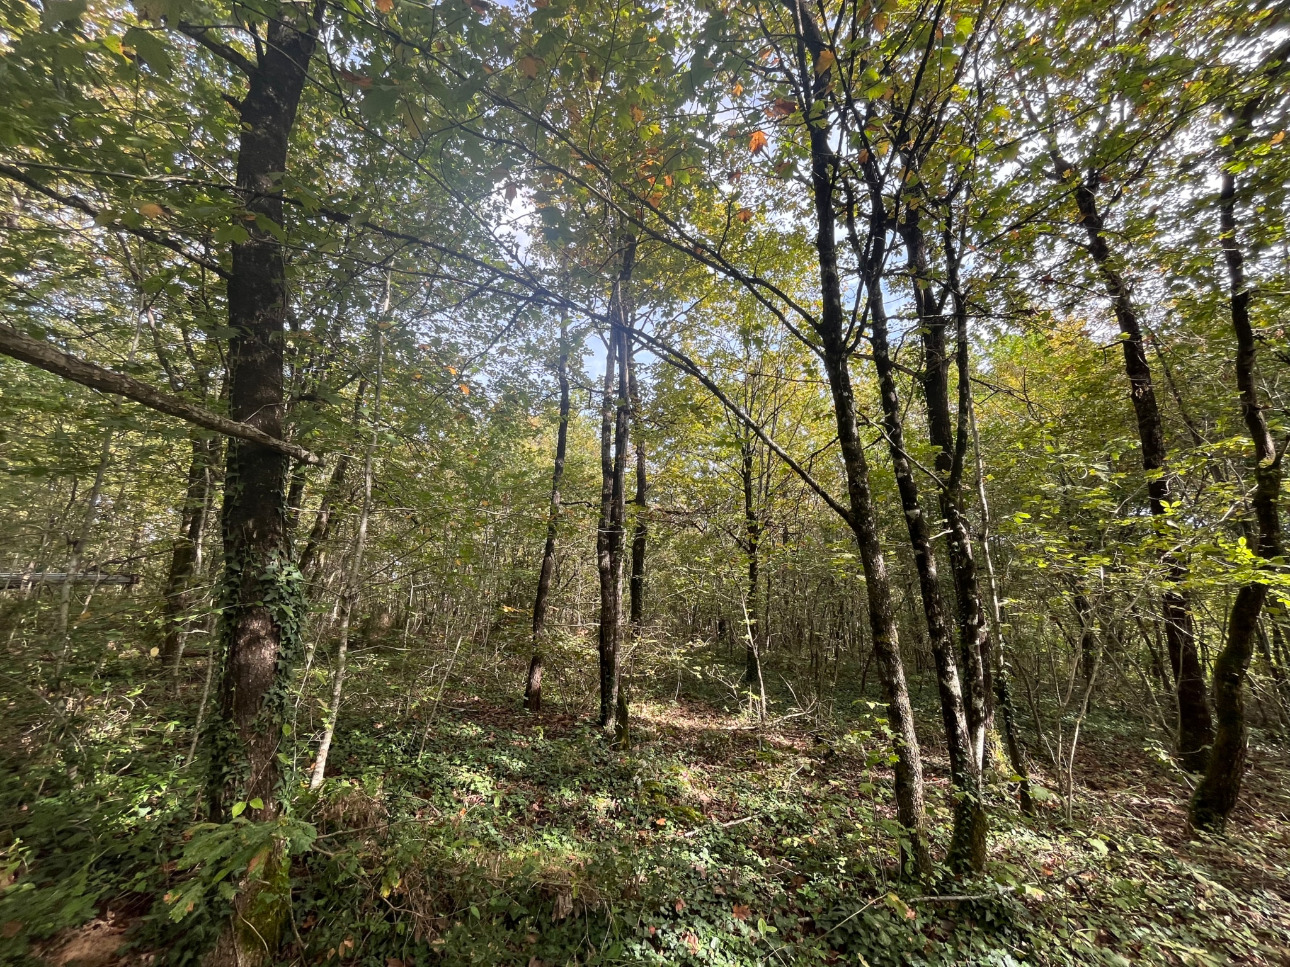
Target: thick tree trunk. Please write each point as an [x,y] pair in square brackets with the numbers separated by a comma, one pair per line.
[533,683]
[1215,797]
[1195,727]
[260,602]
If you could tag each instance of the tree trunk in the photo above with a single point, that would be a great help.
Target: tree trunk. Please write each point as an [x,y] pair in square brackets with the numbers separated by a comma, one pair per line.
[533,683]
[968,839]
[1215,797]
[640,530]
[349,595]
[1195,727]
[614,417]
[753,531]
[185,557]
[835,350]
[313,556]
[1001,676]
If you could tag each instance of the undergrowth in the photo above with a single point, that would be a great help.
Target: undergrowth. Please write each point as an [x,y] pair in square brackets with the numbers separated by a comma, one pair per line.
[484,835]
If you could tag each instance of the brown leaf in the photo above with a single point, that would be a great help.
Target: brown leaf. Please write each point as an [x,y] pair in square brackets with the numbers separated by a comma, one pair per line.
[680,905]
[824,63]
[637,114]
[530,66]
[744,215]
[384,6]
[757,142]
[11,929]
[691,941]
[742,911]
[393,962]
[782,107]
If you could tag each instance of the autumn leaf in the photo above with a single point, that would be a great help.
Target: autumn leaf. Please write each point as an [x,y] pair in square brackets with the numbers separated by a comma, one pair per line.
[465,390]
[680,906]
[356,79]
[742,911]
[691,941]
[783,107]
[757,141]
[384,6]
[153,210]
[1277,138]
[637,114]
[530,65]
[824,63]
[744,215]
[737,89]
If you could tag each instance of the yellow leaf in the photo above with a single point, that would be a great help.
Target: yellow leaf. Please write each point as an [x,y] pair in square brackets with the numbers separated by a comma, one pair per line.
[464,389]
[737,89]
[153,210]
[757,141]
[824,63]
[1277,138]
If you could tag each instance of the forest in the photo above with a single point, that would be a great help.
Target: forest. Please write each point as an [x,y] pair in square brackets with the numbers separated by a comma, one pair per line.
[598,482]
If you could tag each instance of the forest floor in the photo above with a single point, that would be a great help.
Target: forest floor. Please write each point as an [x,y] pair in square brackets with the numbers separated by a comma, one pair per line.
[490,836]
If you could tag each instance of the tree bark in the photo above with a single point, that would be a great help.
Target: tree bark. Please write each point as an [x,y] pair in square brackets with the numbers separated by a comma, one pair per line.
[1195,726]
[640,529]
[968,838]
[614,418]
[1216,795]
[41,354]
[185,556]
[752,546]
[533,683]
[835,353]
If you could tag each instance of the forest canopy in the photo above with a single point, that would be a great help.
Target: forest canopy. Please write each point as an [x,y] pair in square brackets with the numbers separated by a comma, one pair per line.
[573,481]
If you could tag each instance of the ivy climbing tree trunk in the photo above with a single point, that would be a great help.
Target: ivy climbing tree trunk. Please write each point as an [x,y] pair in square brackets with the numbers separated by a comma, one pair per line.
[533,683]
[752,547]
[260,600]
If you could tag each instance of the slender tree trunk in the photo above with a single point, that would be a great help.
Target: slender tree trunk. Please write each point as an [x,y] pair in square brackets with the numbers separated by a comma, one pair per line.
[640,529]
[313,556]
[349,596]
[1001,677]
[533,684]
[753,532]
[968,839]
[1195,726]
[1216,795]
[185,557]
[614,415]
[836,347]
